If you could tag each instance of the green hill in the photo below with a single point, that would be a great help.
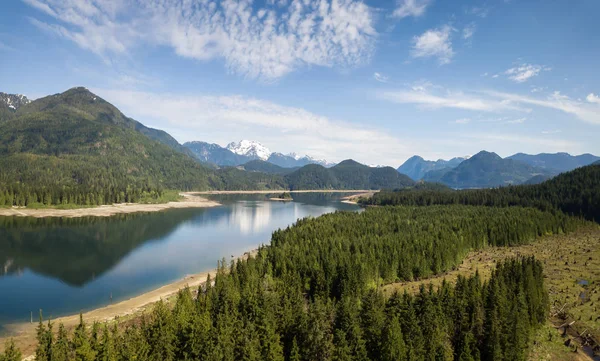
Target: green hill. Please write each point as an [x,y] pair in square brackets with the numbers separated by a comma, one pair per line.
[347,175]
[75,147]
[258,165]
[486,169]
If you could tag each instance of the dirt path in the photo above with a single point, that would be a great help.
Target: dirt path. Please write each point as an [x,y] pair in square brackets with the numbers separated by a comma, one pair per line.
[189,201]
[24,333]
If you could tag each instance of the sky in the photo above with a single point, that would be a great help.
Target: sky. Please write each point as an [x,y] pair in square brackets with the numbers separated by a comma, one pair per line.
[375,81]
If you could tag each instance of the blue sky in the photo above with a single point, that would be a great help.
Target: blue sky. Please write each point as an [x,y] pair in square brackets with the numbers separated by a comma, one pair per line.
[376,81]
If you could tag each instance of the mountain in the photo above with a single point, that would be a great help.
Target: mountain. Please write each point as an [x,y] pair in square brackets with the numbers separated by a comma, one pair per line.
[258,165]
[416,167]
[292,160]
[251,149]
[347,175]
[540,178]
[561,162]
[435,175]
[214,153]
[13,101]
[79,148]
[486,169]
[247,150]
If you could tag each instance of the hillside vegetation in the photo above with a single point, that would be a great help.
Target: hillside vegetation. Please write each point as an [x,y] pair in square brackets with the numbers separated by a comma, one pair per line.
[576,192]
[347,175]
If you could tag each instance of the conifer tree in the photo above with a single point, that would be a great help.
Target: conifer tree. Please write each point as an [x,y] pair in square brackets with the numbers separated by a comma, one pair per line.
[81,342]
[392,341]
[11,352]
[61,350]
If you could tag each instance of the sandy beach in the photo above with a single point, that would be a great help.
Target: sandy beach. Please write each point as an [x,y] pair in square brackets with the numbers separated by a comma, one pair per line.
[357,191]
[189,201]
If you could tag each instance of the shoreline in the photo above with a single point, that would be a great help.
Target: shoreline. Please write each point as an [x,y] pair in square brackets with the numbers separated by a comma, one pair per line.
[357,191]
[24,333]
[189,201]
[353,199]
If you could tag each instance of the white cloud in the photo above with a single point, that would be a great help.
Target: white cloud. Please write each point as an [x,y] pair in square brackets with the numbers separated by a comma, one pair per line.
[380,77]
[553,131]
[524,72]
[281,128]
[557,101]
[516,121]
[593,98]
[462,121]
[491,101]
[448,99]
[434,43]
[480,11]
[495,76]
[265,43]
[468,31]
[538,89]
[407,8]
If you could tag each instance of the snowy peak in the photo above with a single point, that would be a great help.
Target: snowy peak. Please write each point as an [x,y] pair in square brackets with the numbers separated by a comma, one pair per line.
[250,148]
[14,101]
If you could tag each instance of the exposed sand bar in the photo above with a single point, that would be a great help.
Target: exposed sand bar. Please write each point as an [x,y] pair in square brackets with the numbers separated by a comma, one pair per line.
[24,334]
[361,191]
[188,201]
[353,199]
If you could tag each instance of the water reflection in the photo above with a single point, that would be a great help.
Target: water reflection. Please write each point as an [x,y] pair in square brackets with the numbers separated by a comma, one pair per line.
[68,265]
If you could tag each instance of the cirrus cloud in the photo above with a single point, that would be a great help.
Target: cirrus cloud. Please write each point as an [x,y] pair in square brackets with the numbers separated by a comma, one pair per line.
[263,43]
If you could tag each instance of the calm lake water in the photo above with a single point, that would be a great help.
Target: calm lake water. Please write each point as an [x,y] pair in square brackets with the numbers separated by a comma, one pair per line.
[64,266]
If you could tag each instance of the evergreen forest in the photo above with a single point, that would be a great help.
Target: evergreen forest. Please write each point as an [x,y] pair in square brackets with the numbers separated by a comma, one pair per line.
[315,294]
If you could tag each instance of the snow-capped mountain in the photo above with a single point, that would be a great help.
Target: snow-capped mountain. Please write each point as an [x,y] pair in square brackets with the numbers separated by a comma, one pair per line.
[247,150]
[14,101]
[251,149]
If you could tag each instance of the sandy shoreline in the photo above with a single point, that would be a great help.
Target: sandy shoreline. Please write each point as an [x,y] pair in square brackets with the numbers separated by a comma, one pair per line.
[24,334]
[353,199]
[189,201]
[361,191]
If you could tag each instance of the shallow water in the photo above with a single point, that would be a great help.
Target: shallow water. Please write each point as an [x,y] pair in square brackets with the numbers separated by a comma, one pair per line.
[64,266]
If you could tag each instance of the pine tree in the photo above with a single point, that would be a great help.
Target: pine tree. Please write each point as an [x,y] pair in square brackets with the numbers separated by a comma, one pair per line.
[295,351]
[61,349]
[81,343]
[42,353]
[11,352]
[392,341]
[342,350]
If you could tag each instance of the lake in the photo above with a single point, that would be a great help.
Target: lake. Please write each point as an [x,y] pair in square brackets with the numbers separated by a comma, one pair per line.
[68,265]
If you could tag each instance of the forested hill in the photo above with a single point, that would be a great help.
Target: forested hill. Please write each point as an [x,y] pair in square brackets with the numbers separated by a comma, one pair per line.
[486,169]
[576,192]
[347,175]
[75,147]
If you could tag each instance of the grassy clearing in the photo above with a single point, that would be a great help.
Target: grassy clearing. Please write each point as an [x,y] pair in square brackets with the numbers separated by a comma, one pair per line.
[568,260]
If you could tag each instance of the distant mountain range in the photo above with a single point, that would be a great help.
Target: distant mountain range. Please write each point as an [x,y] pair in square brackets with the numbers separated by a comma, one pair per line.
[562,162]
[245,151]
[416,167]
[487,169]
